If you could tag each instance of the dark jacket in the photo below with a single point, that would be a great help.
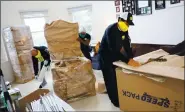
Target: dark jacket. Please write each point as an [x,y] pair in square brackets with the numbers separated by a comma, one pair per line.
[84,47]
[45,54]
[112,42]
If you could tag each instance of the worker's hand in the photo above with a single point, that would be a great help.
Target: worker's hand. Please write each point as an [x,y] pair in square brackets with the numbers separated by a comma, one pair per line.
[96,49]
[78,39]
[134,63]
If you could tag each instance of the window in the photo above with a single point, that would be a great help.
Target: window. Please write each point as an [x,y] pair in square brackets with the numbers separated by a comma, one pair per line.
[36,21]
[83,16]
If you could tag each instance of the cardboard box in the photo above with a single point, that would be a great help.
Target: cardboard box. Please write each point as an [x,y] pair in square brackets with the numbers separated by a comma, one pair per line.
[139,93]
[153,87]
[36,96]
[31,97]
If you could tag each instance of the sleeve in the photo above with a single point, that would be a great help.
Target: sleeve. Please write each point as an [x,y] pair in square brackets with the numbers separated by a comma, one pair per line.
[47,56]
[124,58]
[35,65]
[129,49]
[89,37]
[114,42]
[108,35]
[126,44]
[115,45]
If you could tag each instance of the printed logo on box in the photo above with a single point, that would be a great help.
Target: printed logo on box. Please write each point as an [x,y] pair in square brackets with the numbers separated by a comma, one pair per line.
[165,102]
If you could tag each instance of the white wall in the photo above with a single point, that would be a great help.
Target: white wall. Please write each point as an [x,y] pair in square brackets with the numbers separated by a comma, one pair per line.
[162,27]
[166,24]
[58,10]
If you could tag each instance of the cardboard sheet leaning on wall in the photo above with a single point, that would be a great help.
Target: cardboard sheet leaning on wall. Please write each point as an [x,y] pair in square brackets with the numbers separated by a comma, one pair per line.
[18,43]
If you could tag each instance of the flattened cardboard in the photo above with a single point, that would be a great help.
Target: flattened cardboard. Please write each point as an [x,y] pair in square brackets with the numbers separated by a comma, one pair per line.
[172,68]
[153,54]
[158,70]
[172,60]
[31,97]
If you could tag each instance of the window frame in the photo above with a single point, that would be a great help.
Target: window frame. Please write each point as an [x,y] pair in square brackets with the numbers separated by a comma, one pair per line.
[30,29]
[71,10]
[45,16]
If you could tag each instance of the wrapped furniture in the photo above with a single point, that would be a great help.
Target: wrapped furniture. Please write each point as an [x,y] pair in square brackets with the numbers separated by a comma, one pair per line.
[19,42]
[73,77]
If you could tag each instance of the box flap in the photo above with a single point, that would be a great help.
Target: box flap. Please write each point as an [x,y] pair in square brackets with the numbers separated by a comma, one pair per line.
[172,60]
[61,38]
[152,77]
[172,68]
[31,97]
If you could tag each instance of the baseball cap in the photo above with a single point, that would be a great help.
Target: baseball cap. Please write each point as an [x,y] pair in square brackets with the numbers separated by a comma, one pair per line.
[126,16]
[82,29]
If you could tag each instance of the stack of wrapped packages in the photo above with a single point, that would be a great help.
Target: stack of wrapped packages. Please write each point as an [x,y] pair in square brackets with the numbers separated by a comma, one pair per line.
[73,77]
[19,42]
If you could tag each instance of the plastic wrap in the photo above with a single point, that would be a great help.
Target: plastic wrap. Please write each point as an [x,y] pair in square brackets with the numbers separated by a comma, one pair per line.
[19,43]
[73,79]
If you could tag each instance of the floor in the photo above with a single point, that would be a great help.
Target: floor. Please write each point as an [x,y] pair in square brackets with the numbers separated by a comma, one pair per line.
[100,102]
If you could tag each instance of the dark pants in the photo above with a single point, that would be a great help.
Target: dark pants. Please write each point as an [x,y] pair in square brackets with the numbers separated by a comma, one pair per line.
[41,65]
[86,54]
[109,74]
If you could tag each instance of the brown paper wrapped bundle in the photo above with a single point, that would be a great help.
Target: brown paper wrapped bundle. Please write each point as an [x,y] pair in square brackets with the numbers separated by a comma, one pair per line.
[73,77]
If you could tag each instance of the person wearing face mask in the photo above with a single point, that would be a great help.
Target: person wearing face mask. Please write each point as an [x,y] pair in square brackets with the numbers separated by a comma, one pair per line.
[116,45]
[84,39]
